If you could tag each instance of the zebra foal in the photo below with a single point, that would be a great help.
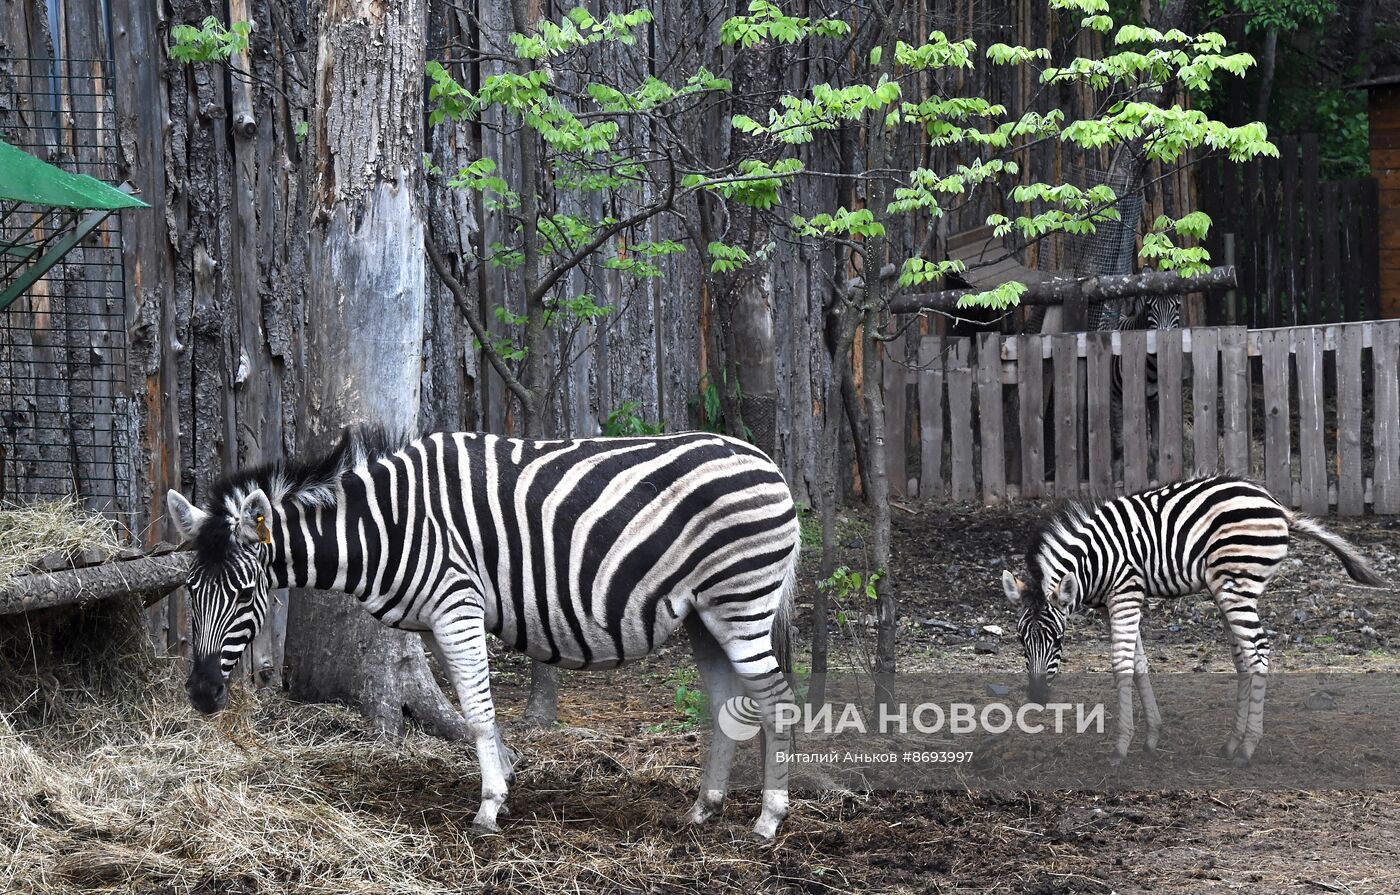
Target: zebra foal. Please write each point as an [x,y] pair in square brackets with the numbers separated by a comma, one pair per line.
[1219,534]
[582,553]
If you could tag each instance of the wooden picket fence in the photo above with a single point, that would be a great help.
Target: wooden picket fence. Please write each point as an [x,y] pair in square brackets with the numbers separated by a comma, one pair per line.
[1313,412]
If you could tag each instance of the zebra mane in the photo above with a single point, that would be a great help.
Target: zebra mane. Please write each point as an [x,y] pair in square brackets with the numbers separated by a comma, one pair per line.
[308,483]
[1062,526]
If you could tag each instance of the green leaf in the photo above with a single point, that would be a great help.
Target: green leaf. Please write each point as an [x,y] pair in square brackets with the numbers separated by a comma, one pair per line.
[210,42]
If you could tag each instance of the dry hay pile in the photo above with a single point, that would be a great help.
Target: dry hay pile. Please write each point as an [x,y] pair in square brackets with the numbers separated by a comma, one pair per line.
[137,794]
[51,656]
[30,532]
[143,796]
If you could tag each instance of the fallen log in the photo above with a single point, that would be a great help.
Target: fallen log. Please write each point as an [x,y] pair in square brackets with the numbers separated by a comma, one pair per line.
[146,577]
[1056,290]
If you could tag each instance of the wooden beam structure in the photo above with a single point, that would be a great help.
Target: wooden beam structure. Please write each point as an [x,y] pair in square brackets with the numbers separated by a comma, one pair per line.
[147,577]
[1059,290]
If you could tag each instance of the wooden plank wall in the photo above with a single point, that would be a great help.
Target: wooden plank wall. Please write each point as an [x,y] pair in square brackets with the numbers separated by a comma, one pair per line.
[1384,114]
[1306,249]
[1313,412]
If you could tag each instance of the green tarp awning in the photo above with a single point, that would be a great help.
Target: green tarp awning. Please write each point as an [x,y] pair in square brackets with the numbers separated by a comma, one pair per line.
[24,178]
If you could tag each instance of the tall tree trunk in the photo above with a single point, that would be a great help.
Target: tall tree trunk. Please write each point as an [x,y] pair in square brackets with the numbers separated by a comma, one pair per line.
[543,706]
[877,488]
[1363,38]
[839,336]
[1268,62]
[366,298]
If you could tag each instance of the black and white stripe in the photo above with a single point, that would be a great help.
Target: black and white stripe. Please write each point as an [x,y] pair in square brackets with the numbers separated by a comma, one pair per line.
[582,553]
[1219,534]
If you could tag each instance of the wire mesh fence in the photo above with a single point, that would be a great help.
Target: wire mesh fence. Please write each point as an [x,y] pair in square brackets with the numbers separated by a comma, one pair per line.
[1112,248]
[65,416]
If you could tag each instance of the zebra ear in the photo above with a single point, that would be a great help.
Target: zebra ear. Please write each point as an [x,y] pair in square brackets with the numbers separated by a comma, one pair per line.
[186,516]
[1066,592]
[1012,586]
[254,518]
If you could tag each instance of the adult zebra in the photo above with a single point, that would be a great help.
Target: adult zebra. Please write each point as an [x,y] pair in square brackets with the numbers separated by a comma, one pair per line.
[583,553]
[1221,534]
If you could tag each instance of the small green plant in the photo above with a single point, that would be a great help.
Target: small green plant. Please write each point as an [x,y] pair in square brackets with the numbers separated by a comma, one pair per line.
[845,584]
[809,527]
[707,403]
[210,42]
[690,705]
[624,422]
[709,409]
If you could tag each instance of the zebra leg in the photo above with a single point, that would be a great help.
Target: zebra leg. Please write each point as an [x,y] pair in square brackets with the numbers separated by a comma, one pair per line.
[462,649]
[1149,698]
[747,641]
[720,687]
[1232,743]
[1144,688]
[1238,599]
[1125,620]
[504,752]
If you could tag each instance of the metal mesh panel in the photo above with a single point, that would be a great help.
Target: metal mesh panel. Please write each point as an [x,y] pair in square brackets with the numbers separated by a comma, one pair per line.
[1112,248]
[65,420]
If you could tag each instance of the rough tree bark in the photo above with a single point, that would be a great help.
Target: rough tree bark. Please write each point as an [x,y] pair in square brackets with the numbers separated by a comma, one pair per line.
[840,333]
[363,356]
[144,579]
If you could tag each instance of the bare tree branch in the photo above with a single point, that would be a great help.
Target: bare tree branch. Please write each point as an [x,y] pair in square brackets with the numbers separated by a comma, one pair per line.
[463,302]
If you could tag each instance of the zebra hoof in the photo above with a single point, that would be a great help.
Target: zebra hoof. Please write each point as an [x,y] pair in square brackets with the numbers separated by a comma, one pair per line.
[757,838]
[1243,761]
[697,816]
[485,828]
[1229,748]
[1151,751]
[1116,759]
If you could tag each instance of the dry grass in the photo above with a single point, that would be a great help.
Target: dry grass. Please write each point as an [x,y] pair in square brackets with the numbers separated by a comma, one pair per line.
[154,798]
[132,793]
[143,796]
[29,532]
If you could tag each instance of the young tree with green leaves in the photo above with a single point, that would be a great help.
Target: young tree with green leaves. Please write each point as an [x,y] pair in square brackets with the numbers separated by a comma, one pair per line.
[588,133]
[896,97]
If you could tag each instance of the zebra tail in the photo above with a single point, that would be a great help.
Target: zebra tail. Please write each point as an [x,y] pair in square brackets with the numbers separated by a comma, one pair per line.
[1351,558]
[782,619]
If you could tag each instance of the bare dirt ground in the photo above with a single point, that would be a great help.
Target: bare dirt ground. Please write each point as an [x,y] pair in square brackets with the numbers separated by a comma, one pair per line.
[132,793]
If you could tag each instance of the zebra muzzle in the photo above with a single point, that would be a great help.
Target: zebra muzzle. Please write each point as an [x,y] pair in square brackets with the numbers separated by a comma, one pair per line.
[1038,691]
[206,687]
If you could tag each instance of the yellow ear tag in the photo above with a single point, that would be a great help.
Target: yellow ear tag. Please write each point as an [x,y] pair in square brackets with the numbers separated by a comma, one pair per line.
[264,534]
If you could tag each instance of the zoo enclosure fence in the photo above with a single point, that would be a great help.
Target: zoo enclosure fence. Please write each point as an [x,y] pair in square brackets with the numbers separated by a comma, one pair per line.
[1307,250]
[65,418]
[1311,411]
